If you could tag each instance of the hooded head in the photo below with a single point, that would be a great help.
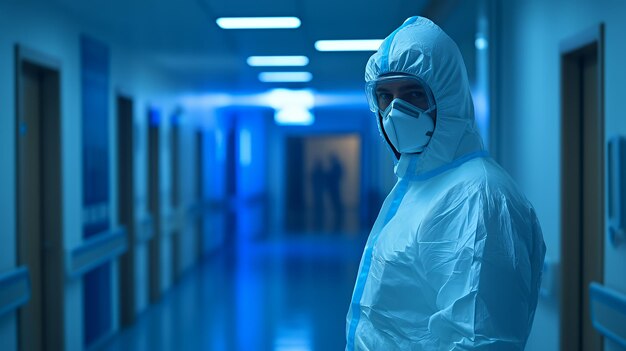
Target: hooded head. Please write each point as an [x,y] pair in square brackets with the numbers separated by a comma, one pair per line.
[420,48]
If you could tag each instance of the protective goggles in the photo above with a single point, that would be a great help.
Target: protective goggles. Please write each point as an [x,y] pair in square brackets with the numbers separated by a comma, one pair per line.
[382,91]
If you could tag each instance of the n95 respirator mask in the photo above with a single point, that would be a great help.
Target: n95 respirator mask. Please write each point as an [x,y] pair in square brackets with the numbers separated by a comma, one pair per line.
[408,127]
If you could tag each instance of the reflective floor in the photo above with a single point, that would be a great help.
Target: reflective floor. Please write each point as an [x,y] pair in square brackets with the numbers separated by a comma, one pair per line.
[288,295]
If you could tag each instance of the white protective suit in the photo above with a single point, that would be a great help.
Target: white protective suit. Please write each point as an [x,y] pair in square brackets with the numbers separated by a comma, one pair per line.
[454,260]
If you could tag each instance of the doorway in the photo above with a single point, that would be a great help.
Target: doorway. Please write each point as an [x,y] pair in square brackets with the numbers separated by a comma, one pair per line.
[39,199]
[154,202]
[199,190]
[176,200]
[231,231]
[125,206]
[582,185]
[323,183]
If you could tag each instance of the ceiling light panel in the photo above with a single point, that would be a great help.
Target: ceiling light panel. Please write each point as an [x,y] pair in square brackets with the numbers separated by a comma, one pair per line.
[266,61]
[348,45]
[285,77]
[258,22]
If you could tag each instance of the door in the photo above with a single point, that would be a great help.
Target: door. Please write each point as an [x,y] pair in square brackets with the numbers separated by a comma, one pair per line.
[154,202]
[125,207]
[323,183]
[582,189]
[176,198]
[199,193]
[230,183]
[39,204]
[332,189]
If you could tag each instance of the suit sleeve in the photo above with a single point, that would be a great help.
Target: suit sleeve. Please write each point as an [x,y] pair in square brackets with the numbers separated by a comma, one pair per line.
[487,289]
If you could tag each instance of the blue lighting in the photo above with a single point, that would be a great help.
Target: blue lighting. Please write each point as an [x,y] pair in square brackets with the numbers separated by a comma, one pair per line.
[155,117]
[285,77]
[258,22]
[220,147]
[481,43]
[348,45]
[245,147]
[202,104]
[282,98]
[278,61]
[294,116]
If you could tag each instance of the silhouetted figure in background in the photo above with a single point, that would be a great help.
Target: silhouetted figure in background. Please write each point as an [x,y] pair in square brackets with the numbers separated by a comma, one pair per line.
[317,187]
[333,185]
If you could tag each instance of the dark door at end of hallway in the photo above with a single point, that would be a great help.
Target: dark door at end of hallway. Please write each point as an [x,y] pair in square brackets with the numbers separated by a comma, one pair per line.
[323,183]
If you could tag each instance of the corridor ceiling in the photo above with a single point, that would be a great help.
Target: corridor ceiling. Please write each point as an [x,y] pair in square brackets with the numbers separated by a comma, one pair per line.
[184,40]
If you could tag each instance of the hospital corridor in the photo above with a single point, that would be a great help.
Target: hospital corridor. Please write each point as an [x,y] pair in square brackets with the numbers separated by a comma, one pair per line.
[312,175]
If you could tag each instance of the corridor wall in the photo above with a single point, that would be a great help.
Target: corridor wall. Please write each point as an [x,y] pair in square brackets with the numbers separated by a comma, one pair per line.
[528,100]
[43,28]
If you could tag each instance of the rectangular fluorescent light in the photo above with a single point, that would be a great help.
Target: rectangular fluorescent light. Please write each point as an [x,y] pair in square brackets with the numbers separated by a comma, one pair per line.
[294,116]
[348,45]
[278,60]
[258,22]
[285,77]
[284,98]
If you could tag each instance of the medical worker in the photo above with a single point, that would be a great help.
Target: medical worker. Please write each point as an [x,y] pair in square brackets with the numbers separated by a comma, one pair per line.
[454,259]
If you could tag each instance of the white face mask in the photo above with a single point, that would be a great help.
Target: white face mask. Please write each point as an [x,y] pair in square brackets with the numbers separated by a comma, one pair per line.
[409,128]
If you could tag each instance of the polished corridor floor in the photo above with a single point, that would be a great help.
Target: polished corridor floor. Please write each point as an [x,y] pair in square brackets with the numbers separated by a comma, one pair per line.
[290,295]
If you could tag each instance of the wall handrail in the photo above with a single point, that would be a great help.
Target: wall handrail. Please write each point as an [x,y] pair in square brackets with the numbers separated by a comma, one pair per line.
[15,289]
[608,312]
[95,251]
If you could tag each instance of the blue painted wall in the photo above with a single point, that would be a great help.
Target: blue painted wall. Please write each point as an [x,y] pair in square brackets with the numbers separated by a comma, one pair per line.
[96,221]
[42,27]
[529,114]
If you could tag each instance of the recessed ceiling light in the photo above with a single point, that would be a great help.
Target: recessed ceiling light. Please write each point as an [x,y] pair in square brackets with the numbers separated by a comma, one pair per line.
[258,22]
[278,60]
[348,45]
[285,77]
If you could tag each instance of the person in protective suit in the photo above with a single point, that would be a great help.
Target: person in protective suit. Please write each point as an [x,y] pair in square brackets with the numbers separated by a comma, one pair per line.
[454,259]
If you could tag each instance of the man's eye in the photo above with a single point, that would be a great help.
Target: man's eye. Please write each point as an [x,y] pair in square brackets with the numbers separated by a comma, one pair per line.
[384,97]
[418,94]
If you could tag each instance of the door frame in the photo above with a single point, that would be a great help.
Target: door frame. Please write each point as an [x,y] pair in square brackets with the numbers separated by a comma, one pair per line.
[54,277]
[176,197]
[362,210]
[571,51]
[153,180]
[126,208]
[198,216]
